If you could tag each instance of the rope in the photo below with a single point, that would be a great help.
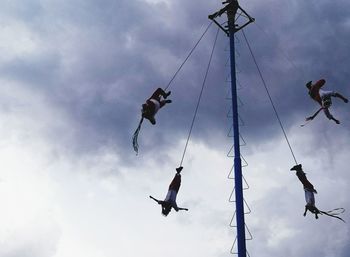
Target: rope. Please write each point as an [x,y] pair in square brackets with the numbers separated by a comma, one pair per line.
[268,93]
[285,55]
[334,213]
[136,133]
[188,56]
[199,98]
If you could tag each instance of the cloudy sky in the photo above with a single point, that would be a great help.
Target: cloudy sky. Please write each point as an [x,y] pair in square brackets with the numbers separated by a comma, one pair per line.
[73,75]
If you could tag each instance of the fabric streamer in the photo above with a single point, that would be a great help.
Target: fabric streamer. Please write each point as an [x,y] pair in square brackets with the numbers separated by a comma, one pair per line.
[334,213]
[135,136]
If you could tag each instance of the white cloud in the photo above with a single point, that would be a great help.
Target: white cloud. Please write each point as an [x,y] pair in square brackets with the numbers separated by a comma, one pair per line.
[60,203]
[85,207]
[16,40]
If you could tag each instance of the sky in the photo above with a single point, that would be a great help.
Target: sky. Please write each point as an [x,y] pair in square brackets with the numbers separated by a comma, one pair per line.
[73,76]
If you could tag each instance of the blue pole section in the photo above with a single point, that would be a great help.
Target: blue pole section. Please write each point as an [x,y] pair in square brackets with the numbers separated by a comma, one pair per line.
[241,241]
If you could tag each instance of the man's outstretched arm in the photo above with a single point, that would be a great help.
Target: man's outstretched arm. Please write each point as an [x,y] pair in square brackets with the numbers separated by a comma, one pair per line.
[305,211]
[180,208]
[341,97]
[315,114]
[158,201]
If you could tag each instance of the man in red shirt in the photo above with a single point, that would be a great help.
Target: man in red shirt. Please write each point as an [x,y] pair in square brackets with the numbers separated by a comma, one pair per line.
[153,104]
[170,199]
[323,97]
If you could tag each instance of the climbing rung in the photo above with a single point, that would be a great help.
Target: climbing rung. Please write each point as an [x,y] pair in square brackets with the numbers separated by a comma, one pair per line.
[245,183]
[240,121]
[239,86]
[231,155]
[239,101]
[245,203]
[232,251]
[230,134]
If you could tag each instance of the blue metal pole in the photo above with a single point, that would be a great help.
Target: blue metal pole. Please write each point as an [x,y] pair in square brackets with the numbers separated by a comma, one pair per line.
[241,241]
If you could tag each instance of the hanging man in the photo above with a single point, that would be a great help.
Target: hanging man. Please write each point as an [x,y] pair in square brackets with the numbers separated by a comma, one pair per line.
[170,199]
[309,195]
[323,97]
[153,104]
[149,110]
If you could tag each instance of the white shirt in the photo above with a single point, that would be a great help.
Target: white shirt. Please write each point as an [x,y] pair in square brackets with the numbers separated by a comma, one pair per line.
[156,105]
[171,197]
[326,96]
[309,197]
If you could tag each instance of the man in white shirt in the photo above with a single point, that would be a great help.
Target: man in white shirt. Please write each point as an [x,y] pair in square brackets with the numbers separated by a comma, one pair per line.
[310,197]
[323,97]
[308,189]
[154,103]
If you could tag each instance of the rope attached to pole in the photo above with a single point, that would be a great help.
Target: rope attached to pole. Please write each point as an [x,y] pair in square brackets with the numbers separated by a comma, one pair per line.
[199,98]
[269,95]
[137,131]
[283,52]
[188,56]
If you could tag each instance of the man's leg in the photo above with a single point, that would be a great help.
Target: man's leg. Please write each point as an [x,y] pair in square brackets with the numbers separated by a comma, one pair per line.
[330,116]
[341,97]
[163,102]
[306,183]
[175,183]
[160,92]
[305,211]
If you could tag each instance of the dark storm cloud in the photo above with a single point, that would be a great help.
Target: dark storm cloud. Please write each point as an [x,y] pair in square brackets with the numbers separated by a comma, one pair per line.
[97,61]
[293,45]
[36,71]
[100,61]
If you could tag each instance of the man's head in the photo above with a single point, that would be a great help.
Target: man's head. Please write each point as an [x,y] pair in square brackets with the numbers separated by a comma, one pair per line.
[165,210]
